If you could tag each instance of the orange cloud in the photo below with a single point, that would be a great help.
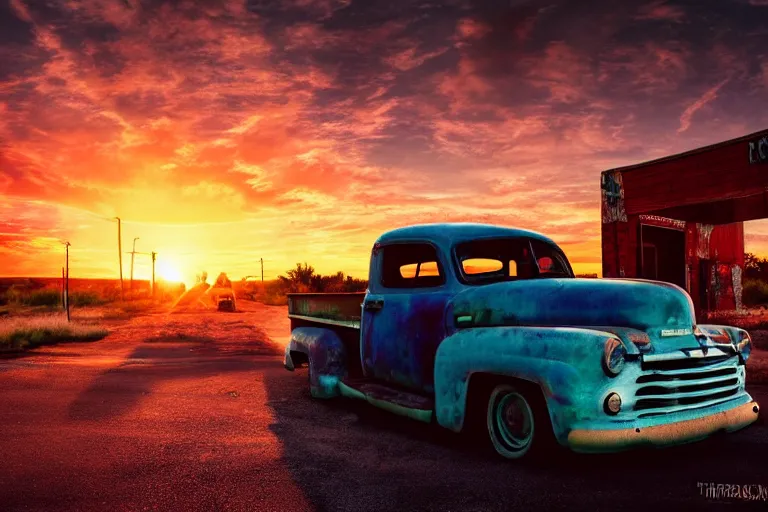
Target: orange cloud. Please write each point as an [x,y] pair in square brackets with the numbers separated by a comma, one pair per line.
[226,132]
[709,96]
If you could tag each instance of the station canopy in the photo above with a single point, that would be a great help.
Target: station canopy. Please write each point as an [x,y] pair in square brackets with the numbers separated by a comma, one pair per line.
[718,184]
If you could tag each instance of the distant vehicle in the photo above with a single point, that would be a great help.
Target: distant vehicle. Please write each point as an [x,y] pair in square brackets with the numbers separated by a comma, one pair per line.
[222,294]
[225,301]
[485,329]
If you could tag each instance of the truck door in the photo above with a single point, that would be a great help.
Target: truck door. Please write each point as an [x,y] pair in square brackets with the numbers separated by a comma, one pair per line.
[404,323]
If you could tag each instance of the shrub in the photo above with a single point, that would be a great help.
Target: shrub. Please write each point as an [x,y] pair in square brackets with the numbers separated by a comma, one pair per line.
[42,298]
[275,300]
[755,292]
[80,299]
[110,293]
[27,332]
[303,279]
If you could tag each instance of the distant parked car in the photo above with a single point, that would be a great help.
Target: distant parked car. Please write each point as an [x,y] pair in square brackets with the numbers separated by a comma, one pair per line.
[222,294]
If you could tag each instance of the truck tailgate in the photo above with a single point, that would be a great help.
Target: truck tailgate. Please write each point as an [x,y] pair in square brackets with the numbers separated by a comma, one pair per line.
[339,309]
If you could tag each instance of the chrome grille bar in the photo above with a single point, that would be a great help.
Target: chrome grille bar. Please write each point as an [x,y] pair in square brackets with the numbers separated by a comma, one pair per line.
[676,382]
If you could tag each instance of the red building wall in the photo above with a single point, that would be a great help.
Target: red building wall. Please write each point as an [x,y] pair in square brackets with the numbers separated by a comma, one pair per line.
[718,249]
[713,189]
[726,251]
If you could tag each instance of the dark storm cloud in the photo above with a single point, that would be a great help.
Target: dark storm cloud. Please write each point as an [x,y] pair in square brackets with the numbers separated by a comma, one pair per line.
[14,30]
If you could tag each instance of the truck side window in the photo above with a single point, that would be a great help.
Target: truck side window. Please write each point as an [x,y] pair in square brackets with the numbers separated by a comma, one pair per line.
[410,266]
[549,261]
[509,259]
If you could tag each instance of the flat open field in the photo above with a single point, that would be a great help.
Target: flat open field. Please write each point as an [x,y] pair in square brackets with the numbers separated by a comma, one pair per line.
[194,411]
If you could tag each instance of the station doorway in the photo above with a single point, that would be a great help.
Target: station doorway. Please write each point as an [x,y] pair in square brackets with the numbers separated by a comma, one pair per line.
[662,256]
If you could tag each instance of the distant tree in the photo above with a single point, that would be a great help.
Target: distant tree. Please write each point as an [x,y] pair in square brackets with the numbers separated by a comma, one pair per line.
[303,279]
[298,280]
[755,267]
[355,285]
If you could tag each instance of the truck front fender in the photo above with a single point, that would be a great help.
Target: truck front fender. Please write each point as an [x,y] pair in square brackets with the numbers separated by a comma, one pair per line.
[563,362]
[325,355]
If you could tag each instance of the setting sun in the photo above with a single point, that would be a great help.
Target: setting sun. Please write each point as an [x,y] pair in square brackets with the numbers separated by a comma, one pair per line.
[167,271]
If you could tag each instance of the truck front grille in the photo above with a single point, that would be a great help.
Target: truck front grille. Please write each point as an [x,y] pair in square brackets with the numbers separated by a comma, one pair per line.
[687,383]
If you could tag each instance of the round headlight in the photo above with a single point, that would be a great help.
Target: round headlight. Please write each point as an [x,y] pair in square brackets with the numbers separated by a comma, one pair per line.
[613,357]
[612,404]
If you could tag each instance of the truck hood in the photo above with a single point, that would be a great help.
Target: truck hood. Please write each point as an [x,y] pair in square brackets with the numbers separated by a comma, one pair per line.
[647,314]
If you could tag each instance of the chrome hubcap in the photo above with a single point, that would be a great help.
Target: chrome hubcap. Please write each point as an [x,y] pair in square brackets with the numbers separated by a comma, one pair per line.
[514,422]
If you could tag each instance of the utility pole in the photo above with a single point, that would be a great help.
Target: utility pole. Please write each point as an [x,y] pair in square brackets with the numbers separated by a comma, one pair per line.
[66,285]
[120,256]
[154,255]
[262,269]
[133,253]
[63,303]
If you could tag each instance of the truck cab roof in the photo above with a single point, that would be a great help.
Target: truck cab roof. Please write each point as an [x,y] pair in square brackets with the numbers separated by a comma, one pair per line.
[447,234]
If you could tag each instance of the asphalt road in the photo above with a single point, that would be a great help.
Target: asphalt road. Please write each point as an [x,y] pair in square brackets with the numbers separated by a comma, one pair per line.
[195,412]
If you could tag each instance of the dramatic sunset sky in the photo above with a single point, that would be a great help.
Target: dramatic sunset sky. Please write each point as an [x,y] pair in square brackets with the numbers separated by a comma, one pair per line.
[298,130]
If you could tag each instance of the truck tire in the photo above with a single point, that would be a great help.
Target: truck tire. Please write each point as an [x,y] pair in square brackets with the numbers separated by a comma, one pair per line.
[517,423]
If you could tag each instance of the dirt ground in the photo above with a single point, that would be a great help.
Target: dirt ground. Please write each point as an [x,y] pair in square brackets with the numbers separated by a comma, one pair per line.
[168,412]
[194,411]
[252,321]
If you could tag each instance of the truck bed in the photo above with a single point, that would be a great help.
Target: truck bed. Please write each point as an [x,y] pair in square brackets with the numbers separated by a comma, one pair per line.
[325,309]
[339,312]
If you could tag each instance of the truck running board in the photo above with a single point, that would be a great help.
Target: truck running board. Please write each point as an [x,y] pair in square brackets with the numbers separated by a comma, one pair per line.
[404,403]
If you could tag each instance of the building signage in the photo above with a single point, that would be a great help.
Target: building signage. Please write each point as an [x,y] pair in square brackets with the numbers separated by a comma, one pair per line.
[758,151]
[662,222]
[611,189]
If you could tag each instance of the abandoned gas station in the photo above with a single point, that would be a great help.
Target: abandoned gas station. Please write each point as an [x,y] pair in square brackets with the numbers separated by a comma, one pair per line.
[681,219]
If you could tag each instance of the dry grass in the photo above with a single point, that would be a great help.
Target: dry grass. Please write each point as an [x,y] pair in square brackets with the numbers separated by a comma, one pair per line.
[40,295]
[757,367]
[18,333]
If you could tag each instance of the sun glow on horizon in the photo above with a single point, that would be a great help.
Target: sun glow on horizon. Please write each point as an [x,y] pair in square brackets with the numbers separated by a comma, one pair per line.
[168,272]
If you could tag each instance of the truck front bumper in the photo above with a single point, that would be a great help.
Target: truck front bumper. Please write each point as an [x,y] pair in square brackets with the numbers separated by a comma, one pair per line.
[593,441]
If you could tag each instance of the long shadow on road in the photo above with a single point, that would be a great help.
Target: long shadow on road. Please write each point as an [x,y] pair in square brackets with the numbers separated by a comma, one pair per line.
[347,455]
[119,389]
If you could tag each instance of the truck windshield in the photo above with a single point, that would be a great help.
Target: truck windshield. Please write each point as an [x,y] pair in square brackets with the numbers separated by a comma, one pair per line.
[510,259]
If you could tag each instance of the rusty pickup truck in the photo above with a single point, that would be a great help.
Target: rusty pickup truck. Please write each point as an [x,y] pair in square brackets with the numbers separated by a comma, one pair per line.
[485,329]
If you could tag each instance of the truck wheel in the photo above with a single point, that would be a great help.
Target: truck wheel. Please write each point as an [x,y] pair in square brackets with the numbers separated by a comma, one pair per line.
[515,423]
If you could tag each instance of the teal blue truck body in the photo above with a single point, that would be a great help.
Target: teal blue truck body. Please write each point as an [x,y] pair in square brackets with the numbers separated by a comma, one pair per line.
[414,342]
